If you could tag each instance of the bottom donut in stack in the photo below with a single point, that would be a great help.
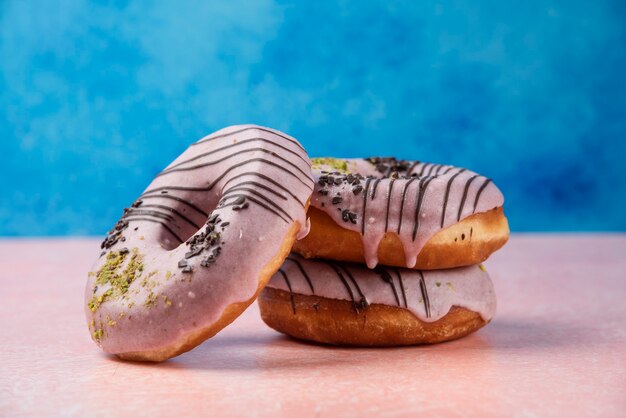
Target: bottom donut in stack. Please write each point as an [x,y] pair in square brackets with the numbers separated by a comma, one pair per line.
[348,304]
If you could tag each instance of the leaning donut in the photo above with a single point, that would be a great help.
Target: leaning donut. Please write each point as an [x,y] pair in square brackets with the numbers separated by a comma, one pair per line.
[171,273]
[347,304]
[402,213]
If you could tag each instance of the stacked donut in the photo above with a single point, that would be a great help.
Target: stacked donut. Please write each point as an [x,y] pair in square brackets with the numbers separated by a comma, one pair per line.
[393,255]
[388,251]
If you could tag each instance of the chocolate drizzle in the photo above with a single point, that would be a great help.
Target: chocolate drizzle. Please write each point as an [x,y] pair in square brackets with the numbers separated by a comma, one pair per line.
[248,187]
[422,185]
[248,128]
[425,297]
[258,159]
[401,287]
[291,297]
[374,187]
[418,201]
[480,191]
[462,205]
[306,276]
[447,195]
[403,201]
[388,204]
[367,186]
[350,275]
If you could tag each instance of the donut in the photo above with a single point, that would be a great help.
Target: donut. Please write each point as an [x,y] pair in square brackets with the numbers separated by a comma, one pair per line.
[402,213]
[170,273]
[344,303]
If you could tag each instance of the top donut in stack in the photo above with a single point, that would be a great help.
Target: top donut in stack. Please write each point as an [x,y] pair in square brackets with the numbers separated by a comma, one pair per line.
[402,213]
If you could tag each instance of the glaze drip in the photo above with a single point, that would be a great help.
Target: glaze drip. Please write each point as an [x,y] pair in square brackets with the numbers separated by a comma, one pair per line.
[411,199]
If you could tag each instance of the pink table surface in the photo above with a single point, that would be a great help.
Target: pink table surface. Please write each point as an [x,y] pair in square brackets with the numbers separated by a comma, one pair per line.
[557,347]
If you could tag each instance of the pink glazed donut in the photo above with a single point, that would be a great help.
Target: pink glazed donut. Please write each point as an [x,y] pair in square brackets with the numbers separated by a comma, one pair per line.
[196,248]
[342,303]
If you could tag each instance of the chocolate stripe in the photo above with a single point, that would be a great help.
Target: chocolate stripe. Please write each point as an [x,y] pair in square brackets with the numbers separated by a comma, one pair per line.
[447,195]
[367,186]
[228,195]
[401,287]
[406,186]
[268,179]
[424,292]
[174,211]
[154,213]
[432,168]
[209,138]
[388,203]
[374,188]
[293,303]
[233,155]
[236,144]
[482,187]
[147,219]
[252,199]
[447,170]
[363,300]
[423,185]
[410,170]
[467,185]
[257,184]
[343,280]
[252,160]
[306,276]
[176,198]
[207,188]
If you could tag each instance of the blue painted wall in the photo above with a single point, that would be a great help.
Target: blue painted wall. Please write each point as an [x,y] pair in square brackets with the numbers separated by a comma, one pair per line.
[95,99]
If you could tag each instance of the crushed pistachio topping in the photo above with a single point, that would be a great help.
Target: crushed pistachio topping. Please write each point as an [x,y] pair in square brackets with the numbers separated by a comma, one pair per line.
[336,163]
[151,299]
[482,267]
[119,281]
[96,301]
[97,334]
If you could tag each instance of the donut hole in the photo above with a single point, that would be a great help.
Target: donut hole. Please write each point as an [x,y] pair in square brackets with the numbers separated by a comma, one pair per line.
[186,215]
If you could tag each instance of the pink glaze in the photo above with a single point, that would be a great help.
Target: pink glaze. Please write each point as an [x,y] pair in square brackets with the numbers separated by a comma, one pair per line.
[393,204]
[429,295]
[252,183]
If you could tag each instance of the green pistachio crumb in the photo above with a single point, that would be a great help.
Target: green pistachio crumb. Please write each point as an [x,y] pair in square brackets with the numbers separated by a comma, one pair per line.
[336,163]
[97,334]
[119,281]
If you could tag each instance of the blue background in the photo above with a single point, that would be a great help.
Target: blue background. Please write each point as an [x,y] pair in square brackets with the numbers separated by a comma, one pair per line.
[95,99]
